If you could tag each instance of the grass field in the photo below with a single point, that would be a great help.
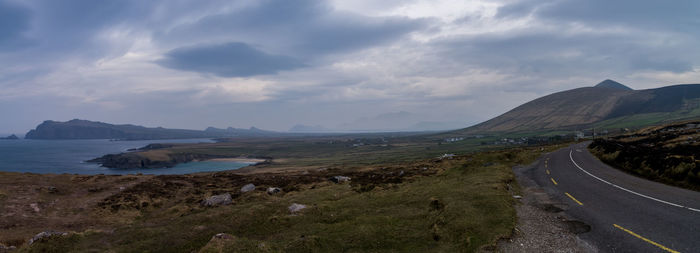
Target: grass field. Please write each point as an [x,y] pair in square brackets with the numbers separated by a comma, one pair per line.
[463,205]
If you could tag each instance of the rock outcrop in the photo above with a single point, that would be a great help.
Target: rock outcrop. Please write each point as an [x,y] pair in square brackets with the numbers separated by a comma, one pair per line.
[217,200]
[247,188]
[295,208]
[134,160]
[340,179]
[45,235]
[273,190]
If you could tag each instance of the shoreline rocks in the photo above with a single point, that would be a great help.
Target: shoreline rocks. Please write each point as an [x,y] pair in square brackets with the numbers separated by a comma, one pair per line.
[134,160]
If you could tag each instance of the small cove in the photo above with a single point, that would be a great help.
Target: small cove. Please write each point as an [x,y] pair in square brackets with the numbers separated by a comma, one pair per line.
[69,156]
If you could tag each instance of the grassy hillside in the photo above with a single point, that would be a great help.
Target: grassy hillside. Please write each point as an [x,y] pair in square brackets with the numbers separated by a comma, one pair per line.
[648,119]
[571,108]
[599,107]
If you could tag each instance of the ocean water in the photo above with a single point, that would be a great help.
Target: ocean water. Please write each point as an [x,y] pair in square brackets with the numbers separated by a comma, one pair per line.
[69,156]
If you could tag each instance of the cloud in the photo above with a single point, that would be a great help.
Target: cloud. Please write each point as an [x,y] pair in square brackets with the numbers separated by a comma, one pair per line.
[554,52]
[233,59]
[681,15]
[307,28]
[276,63]
[14,22]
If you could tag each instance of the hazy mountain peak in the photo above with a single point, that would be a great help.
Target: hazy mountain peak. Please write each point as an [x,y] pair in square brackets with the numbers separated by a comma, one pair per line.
[613,85]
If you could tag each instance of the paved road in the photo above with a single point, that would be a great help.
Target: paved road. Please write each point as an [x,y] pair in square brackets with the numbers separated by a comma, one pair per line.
[626,213]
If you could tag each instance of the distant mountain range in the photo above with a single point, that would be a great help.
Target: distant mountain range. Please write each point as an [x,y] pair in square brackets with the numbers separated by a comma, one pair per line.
[299,128]
[84,129]
[607,105]
[401,121]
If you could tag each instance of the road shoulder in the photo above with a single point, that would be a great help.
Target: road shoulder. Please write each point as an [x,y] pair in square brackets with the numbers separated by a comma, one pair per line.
[542,224]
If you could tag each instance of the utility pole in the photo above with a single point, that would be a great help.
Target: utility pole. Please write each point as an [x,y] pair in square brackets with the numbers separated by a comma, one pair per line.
[594,133]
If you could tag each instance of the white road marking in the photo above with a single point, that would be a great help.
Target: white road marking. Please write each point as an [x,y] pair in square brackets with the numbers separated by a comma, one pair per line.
[627,190]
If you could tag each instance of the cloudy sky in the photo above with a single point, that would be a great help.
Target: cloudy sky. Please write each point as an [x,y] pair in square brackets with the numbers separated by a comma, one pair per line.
[274,64]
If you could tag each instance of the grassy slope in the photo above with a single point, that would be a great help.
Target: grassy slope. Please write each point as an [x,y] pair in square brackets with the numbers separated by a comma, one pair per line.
[647,119]
[665,154]
[474,208]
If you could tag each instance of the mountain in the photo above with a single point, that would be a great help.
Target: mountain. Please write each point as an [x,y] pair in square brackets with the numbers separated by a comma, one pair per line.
[84,129]
[606,105]
[231,132]
[607,83]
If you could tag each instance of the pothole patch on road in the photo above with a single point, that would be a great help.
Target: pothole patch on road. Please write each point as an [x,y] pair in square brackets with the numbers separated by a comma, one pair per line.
[577,227]
[552,208]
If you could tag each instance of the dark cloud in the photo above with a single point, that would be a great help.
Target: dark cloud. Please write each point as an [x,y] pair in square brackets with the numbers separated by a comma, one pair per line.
[14,21]
[307,28]
[228,60]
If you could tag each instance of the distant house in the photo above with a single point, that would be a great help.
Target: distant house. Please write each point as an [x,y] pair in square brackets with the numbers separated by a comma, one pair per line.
[454,139]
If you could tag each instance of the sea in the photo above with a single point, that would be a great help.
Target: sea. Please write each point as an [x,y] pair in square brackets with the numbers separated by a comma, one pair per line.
[70,156]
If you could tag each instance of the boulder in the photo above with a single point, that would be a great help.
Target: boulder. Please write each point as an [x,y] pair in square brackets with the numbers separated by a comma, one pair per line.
[222,236]
[216,200]
[35,207]
[44,235]
[248,187]
[220,242]
[52,189]
[295,208]
[340,179]
[273,190]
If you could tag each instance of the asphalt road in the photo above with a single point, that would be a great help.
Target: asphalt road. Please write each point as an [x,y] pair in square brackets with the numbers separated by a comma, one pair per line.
[626,213]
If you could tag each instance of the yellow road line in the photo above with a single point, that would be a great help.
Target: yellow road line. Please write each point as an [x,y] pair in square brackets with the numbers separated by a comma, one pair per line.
[555,182]
[645,239]
[547,172]
[574,199]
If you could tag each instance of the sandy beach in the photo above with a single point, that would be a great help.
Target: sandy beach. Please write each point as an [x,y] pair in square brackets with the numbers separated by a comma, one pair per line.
[240,160]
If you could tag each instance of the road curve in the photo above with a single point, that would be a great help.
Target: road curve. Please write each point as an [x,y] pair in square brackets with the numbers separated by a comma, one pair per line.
[626,213]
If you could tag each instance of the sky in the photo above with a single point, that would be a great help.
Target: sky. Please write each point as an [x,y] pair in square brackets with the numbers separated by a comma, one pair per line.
[338,64]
